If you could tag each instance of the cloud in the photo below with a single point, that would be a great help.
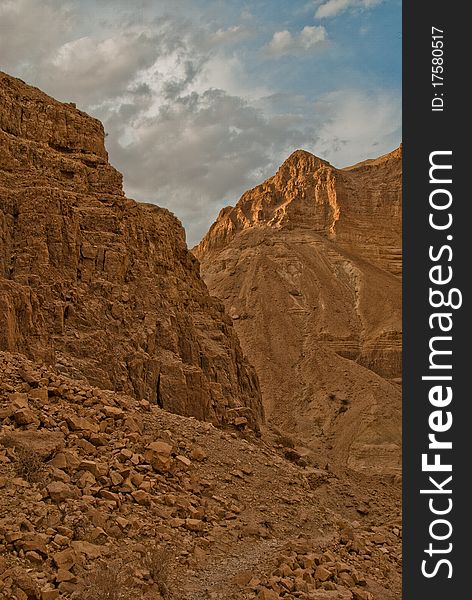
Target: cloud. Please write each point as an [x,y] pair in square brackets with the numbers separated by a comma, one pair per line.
[32,29]
[284,43]
[201,152]
[333,8]
[195,114]
[233,34]
[351,119]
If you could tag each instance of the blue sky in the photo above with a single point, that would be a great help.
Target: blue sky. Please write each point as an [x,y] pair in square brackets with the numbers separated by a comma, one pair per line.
[202,99]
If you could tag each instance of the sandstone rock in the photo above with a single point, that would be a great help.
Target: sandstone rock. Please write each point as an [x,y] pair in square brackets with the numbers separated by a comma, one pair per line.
[183,461]
[266,594]
[142,497]
[99,285]
[194,525]
[87,548]
[77,423]
[198,454]
[243,578]
[361,595]
[59,491]
[40,394]
[50,594]
[158,454]
[24,416]
[379,538]
[26,584]
[44,443]
[316,252]
[322,574]
[34,543]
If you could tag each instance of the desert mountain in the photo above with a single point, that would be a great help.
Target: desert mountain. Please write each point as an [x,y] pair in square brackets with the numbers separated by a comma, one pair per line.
[107,331]
[308,266]
[97,285]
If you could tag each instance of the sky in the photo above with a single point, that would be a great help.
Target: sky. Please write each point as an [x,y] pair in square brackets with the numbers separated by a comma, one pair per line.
[203,99]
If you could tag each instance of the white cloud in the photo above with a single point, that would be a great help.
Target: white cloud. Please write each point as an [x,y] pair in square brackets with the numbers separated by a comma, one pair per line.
[193,118]
[202,152]
[32,29]
[352,119]
[233,34]
[333,8]
[284,43]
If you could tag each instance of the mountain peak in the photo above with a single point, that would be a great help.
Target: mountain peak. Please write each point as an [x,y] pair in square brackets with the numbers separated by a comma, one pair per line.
[308,193]
[303,161]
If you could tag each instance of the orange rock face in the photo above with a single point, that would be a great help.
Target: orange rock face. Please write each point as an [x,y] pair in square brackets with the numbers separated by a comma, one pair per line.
[99,286]
[308,266]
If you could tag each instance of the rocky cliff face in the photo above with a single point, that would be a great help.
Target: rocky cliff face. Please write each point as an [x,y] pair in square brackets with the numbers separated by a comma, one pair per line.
[99,286]
[308,266]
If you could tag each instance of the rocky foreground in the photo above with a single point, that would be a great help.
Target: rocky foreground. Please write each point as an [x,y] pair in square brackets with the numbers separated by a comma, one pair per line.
[104,494]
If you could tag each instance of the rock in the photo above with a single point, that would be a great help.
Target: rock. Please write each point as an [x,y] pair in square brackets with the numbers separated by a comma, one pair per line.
[361,595]
[24,416]
[197,453]
[18,401]
[40,394]
[158,454]
[43,443]
[116,274]
[77,423]
[183,461]
[142,497]
[65,559]
[322,574]
[266,594]
[59,491]
[34,543]
[159,447]
[50,594]
[347,580]
[298,246]
[64,575]
[243,578]
[194,525]
[26,583]
[88,549]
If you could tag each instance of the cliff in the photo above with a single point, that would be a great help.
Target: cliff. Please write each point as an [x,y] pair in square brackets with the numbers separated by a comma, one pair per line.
[308,265]
[99,286]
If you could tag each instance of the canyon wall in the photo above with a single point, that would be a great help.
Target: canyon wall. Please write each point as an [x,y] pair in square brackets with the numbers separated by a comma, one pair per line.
[99,286]
[308,265]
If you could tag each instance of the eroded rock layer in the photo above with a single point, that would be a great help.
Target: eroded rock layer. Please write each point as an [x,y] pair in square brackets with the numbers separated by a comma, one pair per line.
[98,285]
[308,267]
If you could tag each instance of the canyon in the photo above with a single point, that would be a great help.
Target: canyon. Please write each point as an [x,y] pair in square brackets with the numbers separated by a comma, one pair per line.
[214,424]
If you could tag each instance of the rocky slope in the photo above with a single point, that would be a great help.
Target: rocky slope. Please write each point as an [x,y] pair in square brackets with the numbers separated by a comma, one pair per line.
[105,496]
[99,286]
[308,267]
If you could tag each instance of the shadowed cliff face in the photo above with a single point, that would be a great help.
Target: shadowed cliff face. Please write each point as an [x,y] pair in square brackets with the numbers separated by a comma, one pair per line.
[98,285]
[308,267]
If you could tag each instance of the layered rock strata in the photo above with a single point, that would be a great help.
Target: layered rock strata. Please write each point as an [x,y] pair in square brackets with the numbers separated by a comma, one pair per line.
[99,286]
[308,266]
